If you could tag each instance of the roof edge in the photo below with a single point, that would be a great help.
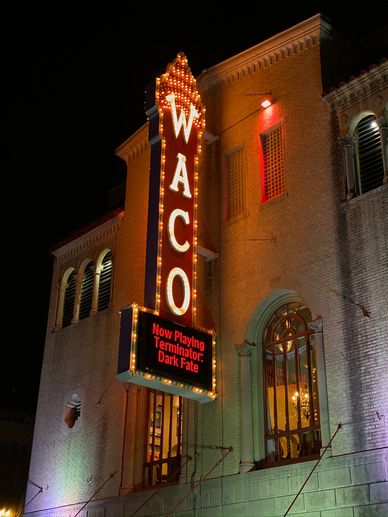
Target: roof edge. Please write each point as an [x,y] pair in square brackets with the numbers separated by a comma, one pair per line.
[297,38]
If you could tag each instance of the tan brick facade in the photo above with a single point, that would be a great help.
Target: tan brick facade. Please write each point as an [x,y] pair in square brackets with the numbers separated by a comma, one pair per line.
[309,244]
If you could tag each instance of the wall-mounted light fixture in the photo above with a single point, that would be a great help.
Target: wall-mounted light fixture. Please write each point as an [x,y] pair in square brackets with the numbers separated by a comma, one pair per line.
[266,102]
[266,98]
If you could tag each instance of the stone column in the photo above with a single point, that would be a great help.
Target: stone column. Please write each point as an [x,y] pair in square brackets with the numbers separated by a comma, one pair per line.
[61,300]
[77,297]
[317,326]
[96,287]
[348,147]
[246,422]
[383,130]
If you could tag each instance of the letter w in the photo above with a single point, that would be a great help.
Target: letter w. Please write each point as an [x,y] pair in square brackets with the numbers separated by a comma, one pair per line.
[178,123]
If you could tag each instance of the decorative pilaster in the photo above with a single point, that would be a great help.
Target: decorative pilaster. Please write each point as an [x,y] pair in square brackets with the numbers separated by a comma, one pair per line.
[77,297]
[317,327]
[383,130]
[61,299]
[348,148]
[246,423]
[96,286]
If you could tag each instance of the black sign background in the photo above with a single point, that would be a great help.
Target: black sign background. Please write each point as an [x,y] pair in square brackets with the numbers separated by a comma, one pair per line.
[147,352]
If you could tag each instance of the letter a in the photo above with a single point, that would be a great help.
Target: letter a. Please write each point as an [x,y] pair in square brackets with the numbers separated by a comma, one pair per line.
[180,176]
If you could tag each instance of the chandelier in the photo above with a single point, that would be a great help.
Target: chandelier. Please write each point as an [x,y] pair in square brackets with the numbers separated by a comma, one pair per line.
[301,399]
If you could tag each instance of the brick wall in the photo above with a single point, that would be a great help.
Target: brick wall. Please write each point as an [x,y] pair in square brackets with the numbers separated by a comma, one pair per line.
[332,253]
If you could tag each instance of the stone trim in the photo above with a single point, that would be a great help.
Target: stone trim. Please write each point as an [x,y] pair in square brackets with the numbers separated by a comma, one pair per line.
[358,88]
[287,43]
[134,146]
[88,239]
[247,463]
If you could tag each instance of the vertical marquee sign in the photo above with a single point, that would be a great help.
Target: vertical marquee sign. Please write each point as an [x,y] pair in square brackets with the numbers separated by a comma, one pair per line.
[159,342]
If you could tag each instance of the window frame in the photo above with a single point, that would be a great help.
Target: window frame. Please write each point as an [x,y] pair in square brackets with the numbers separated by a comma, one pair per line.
[71,271]
[360,171]
[98,283]
[159,437]
[286,336]
[262,135]
[254,335]
[229,216]
[86,295]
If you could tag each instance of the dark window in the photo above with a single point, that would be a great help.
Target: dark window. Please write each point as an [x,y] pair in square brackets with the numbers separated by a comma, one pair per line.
[68,304]
[86,292]
[235,184]
[369,154]
[164,430]
[273,164]
[105,282]
[292,422]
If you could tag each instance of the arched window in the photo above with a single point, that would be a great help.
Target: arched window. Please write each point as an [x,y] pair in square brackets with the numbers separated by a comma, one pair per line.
[290,382]
[369,154]
[68,304]
[86,291]
[105,282]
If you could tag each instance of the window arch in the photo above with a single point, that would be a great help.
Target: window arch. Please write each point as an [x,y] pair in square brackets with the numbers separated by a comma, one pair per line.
[291,402]
[86,291]
[369,154]
[262,320]
[69,287]
[105,280]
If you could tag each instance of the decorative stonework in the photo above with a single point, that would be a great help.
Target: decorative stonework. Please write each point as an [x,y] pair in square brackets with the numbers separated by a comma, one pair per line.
[244,350]
[134,146]
[88,239]
[288,43]
[365,85]
[316,325]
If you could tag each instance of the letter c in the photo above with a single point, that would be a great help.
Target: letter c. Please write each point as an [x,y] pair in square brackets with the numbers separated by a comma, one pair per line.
[171,229]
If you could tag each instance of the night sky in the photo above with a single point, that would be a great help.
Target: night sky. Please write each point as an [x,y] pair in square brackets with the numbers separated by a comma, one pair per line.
[73,82]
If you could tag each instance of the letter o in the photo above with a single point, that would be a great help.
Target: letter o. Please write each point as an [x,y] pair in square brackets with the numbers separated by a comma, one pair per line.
[177,271]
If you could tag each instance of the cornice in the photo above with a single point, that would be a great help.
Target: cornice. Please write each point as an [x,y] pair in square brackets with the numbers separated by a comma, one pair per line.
[89,239]
[287,43]
[298,38]
[358,88]
[134,145]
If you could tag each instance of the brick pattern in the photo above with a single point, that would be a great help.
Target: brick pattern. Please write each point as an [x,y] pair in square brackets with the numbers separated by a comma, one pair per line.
[333,253]
[267,493]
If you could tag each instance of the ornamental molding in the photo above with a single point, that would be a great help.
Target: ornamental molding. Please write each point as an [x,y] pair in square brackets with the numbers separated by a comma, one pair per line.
[134,146]
[297,39]
[245,348]
[89,239]
[358,88]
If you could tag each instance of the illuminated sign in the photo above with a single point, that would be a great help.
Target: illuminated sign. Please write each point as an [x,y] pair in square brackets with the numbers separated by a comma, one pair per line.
[166,355]
[177,119]
[160,346]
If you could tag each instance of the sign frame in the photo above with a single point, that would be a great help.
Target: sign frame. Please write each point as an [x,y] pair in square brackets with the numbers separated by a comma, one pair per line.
[155,378]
